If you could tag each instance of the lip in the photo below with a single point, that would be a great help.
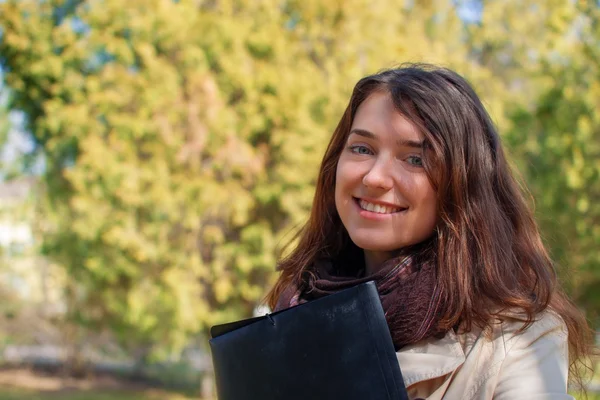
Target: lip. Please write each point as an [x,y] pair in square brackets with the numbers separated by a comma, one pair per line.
[373,215]
[381,203]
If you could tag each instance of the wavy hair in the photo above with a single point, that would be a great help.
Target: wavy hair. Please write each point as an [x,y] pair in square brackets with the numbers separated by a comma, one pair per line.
[487,249]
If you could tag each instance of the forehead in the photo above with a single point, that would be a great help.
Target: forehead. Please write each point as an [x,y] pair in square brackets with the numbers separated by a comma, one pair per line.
[379,115]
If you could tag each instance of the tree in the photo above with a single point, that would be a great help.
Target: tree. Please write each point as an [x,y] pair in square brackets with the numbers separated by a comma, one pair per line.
[182,139]
[557,140]
[4,125]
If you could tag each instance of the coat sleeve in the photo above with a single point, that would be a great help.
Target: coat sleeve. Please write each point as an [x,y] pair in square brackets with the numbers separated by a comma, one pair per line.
[536,365]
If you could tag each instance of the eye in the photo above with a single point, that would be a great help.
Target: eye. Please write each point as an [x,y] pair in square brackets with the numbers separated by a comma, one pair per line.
[416,161]
[360,149]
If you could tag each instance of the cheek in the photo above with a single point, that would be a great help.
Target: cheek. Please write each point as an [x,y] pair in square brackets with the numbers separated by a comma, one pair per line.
[431,211]
[431,215]
[338,190]
[427,198]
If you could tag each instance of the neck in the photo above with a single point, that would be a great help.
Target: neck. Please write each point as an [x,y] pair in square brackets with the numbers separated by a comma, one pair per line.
[374,260]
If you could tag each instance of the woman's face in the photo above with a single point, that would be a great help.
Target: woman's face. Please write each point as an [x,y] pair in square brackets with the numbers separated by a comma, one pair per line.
[382,193]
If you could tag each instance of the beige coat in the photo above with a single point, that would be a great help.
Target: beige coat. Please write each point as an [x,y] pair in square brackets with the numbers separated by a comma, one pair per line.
[504,365]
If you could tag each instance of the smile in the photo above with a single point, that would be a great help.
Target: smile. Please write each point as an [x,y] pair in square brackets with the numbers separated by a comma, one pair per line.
[378,208]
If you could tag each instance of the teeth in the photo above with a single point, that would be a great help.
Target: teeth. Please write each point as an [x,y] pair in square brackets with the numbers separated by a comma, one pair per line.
[376,208]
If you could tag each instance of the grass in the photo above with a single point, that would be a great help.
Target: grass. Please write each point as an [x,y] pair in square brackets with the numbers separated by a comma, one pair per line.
[24,394]
[590,396]
[26,384]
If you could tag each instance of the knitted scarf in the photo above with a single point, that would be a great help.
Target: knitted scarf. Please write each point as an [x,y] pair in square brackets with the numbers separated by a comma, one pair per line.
[410,296]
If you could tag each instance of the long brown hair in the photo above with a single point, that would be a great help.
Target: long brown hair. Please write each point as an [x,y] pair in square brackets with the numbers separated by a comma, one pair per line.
[487,248]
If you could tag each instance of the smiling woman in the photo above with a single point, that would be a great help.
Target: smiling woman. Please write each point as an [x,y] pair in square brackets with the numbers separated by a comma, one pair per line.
[415,193]
[382,194]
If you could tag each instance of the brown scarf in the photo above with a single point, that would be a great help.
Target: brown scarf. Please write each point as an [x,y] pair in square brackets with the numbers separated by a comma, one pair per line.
[410,297]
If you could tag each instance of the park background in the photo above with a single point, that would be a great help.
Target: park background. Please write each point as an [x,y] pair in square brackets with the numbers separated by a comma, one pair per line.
[156,155]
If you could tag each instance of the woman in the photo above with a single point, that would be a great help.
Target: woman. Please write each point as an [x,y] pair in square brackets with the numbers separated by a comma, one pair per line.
[415,193]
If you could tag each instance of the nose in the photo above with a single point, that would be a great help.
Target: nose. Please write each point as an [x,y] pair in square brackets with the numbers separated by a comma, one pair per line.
[379,176]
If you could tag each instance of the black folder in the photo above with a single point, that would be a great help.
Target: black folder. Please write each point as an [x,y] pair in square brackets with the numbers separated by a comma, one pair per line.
[336,347]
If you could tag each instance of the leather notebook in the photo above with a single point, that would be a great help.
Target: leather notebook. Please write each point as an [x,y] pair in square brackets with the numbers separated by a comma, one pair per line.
[336,347]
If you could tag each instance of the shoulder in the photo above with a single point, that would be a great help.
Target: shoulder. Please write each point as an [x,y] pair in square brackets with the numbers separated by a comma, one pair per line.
[547,326]
[536,359]
[510,331]
[502,362]
[511,361]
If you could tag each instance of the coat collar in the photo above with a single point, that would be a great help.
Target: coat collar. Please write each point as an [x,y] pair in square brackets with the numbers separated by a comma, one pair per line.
[431,358]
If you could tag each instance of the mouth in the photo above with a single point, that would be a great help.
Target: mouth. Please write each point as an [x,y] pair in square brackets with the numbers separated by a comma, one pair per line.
[378,208]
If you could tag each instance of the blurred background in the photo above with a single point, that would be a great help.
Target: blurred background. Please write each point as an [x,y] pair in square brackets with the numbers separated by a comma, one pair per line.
[156,154]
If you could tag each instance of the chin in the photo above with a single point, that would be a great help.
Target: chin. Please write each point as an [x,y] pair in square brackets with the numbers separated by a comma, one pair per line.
[370,245]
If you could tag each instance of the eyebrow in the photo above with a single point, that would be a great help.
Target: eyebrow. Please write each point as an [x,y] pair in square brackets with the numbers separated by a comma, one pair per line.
[401,142]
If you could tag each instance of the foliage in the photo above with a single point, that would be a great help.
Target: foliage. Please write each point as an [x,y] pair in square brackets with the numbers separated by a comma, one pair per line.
[4,123]
[558,142]
[545,55]
[182,138]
